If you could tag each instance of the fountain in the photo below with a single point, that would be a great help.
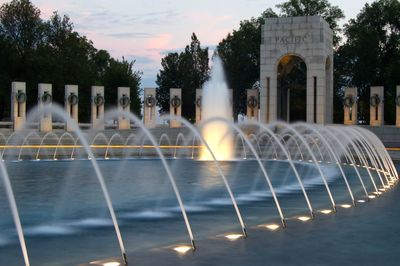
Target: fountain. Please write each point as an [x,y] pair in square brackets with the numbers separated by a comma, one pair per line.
[215,103]
[169,189]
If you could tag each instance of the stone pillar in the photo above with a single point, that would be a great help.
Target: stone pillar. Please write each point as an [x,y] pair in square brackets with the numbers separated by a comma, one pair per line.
[376,107]
[398,106]
[18,104]
[97,114]
[71,105]
[45,98]
[350,106]
[124,104]
[149,112]
[199,94]
[175,106]
[252,104]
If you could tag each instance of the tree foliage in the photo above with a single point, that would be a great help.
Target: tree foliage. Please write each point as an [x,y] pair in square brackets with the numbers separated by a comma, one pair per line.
[371,54]
[50,51]
[187,70]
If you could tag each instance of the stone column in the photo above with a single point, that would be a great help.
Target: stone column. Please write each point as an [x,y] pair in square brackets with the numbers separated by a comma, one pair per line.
[124,104]
[350,106]
[199,94]
[45,98]
[149,111]
[18,104]
[71,105]
[252,104]
[376,106]
[175,106]
[398,106]
[97,114]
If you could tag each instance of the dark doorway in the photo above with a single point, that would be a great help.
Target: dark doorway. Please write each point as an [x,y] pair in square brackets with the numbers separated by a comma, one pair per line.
[292,89]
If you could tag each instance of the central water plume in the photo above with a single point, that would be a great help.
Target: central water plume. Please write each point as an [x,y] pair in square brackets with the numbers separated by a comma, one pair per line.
[216,103]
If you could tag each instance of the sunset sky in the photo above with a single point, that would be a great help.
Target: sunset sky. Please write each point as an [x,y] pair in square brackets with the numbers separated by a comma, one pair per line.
[145,30]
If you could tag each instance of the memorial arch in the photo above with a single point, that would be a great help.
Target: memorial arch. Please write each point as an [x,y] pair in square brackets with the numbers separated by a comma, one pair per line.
[296,70]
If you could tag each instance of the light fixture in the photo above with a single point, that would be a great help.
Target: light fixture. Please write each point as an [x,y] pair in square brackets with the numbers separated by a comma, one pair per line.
[271,227]
[182,249]
[233,237]
[361,201]
[372,196]
[382,189]
[112,263]
[303,218]
[327,211]
[377,193]
[345,206]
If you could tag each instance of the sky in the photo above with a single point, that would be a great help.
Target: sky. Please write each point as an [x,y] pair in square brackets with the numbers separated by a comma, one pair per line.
[146,30]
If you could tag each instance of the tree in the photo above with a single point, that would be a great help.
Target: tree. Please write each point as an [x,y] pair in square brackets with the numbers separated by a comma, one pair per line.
[50,51]
[371,55]
[187,70]
[240,53]
[332,14]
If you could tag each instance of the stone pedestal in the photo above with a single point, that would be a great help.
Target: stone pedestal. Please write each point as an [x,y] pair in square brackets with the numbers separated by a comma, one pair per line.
[252,104]
[376,106]
[199,94]
[149,110]
[71,102]
[45,98]
[124,104]
[175,106]
[97,107]
[350,106]
[398,106]
[310,39]
[18,104]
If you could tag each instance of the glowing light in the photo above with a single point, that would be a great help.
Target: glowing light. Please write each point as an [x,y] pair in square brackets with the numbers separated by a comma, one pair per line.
[361,201]
[233,237]
[345,206]
[372,196]
[271,227]
[326,211]
[113,263]
[377,193]
[220,141]
[386,186]
[304,218]
[382,189]
[182,249]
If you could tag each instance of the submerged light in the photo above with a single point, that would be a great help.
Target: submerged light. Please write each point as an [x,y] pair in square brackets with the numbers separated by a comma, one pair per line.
[271,227]
[113,263]
[182,249]
[303,218]
[361,201]
[345,206]
[233,237]
[327,211]
[372,196]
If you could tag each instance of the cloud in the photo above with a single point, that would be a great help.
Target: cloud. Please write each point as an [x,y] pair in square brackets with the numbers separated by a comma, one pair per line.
[131,35]
[142,60]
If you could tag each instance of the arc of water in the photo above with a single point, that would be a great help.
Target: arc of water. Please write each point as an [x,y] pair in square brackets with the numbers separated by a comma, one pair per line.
[238,137]
[377,148]
[42,141]
[25,141]
[266,129]
[73,149]
[254,139]
[261,136]
[365,161]
[3,138]
[110,141]
[360,156]
[296,142]
[15,133]
[165,136]
[322,138]
[197,133]
[349,156]
[65,134]
[374,159]
[298,135]
[382,150]
[182,137]
[138,122]
[58,111]
[14,211]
